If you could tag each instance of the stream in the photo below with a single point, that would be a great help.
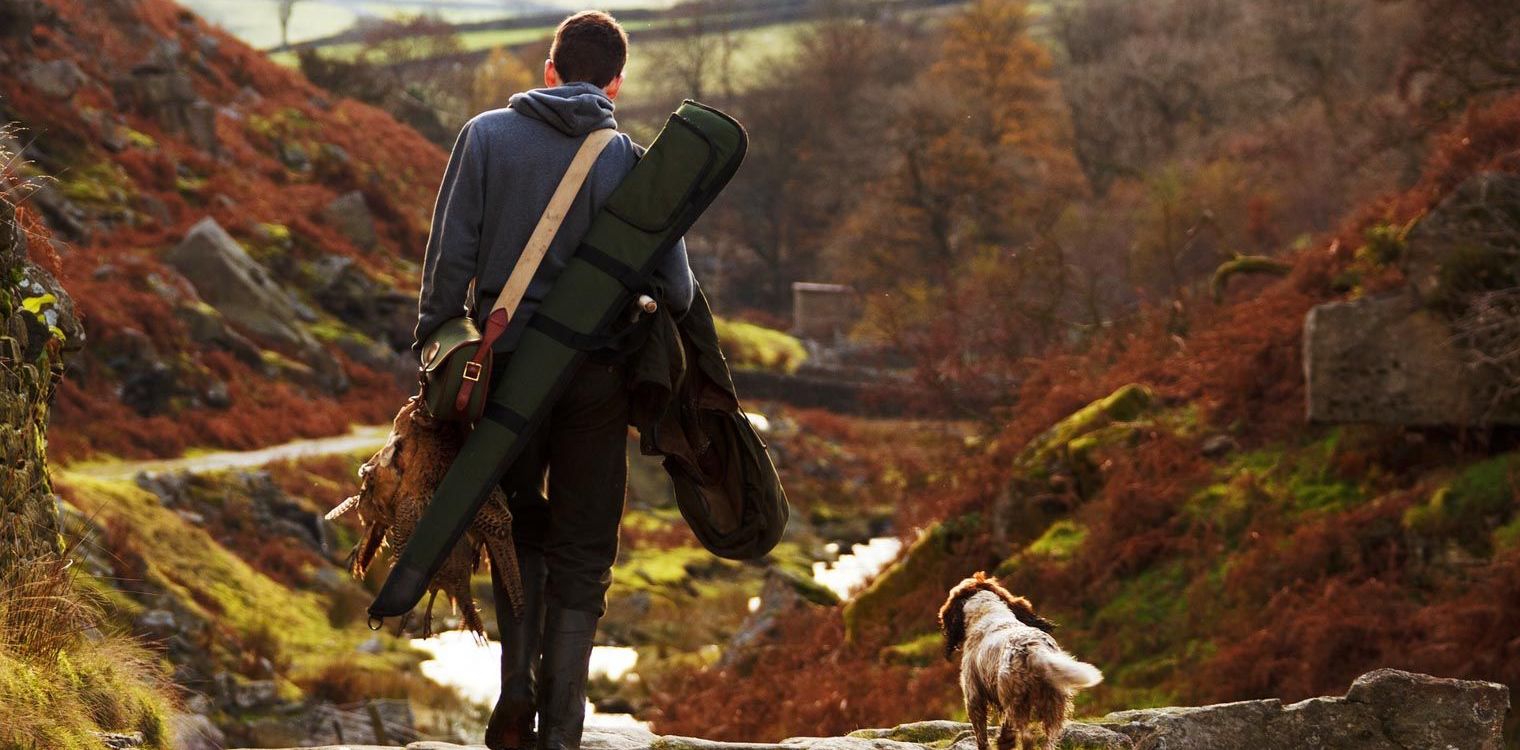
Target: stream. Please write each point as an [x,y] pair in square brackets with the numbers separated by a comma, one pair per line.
[461,662]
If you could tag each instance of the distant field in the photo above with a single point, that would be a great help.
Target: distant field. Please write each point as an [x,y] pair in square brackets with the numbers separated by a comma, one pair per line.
[257,22]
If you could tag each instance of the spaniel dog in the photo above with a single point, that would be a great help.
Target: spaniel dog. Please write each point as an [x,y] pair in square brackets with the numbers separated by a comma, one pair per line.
[1010,664]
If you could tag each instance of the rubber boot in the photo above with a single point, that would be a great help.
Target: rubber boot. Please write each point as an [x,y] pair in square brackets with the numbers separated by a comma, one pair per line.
[568,637]
[511,726]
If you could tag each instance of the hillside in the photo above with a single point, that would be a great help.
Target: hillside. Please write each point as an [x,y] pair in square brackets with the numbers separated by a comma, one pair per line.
[1162,497]
[152,121]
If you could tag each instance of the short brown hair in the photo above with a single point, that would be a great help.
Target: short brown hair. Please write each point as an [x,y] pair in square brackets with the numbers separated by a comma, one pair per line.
[589,46]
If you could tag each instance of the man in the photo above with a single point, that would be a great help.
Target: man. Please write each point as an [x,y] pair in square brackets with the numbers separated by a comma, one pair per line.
[503,169]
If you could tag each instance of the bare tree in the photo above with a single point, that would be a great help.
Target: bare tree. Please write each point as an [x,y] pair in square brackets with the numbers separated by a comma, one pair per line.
[285,8]
[697,56]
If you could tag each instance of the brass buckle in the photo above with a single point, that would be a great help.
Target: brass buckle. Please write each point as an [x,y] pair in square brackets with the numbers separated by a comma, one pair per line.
[472,371]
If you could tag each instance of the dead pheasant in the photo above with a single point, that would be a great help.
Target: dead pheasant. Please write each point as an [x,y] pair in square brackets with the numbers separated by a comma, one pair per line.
[396,484]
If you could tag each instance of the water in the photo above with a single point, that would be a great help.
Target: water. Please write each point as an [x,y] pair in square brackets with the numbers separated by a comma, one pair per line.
[461,662]
[854,569]
[474,669]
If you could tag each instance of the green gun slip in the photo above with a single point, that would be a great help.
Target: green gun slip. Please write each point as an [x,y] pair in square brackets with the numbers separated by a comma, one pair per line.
[690,162]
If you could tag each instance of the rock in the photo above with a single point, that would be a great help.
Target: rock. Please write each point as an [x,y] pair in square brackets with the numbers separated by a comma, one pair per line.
[1422,711]
[1390,360]
[207,326]
[120,740]
[242,291]
[1467,241]
[849,743]
[1225,725]
[217,395]
[149,383]
[157,622]
[1078,736]
[921,732]
[383,722]
[782,593]
[169,487]
[194,731]
[671,742]
[236,285]
[294,156]
[1383,710]
[632,738]
[1218,446]
[160,89]
[246,695]
[371,307]
[58,79]
[350,215]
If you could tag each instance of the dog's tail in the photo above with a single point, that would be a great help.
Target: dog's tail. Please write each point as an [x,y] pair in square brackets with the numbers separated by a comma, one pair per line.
[1065,672]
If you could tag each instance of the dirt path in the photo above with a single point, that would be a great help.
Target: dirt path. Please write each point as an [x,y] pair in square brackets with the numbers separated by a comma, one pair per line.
[358,439]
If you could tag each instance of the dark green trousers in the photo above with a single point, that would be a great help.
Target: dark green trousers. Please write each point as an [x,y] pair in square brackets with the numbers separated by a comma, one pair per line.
[566,491]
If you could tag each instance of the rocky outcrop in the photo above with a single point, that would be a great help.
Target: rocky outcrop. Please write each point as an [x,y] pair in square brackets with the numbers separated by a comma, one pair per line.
[1388,360]
[350,215]
[162,88]
[37,326]
[58,79]
[236,285]
[1407,358]
[1384,710]
[370,306]
[244,293]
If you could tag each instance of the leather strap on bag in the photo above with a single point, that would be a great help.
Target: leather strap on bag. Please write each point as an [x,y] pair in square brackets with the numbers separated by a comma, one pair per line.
[533,253]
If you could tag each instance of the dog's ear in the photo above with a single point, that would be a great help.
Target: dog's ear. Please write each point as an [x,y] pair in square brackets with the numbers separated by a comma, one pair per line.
[952,622]
[952,617]
[1023,610]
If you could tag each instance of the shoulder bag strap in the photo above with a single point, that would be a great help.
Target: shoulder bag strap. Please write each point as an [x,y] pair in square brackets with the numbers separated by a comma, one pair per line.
[538,246]
[548,224]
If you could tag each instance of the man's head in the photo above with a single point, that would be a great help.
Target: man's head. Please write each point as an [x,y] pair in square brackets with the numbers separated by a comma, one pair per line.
[589,46]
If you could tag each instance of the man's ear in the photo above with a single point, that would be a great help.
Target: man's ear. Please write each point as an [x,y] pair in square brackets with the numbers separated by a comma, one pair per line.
[613,87]
[551,76]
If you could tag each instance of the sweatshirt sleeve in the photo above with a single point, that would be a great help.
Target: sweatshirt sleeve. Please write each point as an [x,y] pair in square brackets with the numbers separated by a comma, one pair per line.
[454,242]
[673,276]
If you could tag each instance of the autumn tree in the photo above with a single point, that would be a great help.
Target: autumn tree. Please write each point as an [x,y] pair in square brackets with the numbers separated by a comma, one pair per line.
[953,242]
[503,74]
[805,171]
[285,8]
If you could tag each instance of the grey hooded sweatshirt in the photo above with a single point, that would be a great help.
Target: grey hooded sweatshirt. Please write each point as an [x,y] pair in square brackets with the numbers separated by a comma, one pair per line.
[504,167]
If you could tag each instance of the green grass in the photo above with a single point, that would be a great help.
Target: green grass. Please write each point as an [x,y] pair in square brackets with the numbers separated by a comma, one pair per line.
[60,686]
[755,347]
[216,585]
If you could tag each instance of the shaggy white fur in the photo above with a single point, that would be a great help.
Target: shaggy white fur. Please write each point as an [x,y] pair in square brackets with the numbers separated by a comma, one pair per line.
[1010,664]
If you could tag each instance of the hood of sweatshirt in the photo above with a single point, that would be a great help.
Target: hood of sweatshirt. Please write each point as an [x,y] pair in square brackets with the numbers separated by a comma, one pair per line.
[574,109]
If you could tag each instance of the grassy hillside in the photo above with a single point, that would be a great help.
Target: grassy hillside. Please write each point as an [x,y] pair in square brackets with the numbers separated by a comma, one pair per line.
[1283,559]
[131,181]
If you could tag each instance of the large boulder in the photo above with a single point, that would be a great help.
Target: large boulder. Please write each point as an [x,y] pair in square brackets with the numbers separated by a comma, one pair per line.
[235,284]
[162,89]
[242,291]
[1390,360]
[1384,710]
[58,79]
[365,303]
[1440,351]
[1469,242]
[350,215]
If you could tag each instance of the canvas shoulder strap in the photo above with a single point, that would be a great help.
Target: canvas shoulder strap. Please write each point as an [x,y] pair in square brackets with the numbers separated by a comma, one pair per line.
[548,224]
